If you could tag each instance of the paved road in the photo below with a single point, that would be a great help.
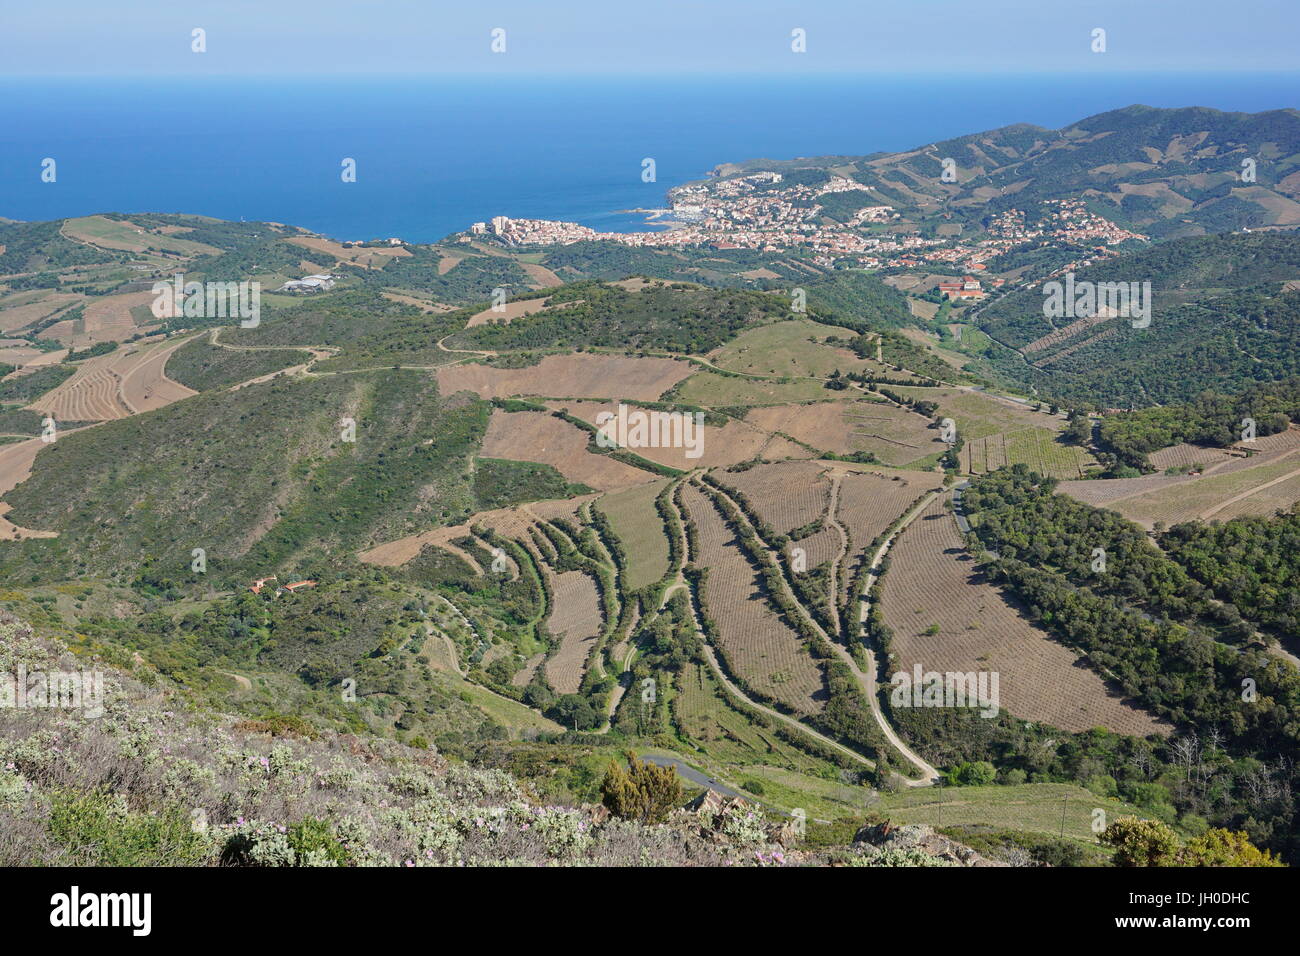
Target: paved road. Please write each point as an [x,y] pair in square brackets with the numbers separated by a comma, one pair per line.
[694,776]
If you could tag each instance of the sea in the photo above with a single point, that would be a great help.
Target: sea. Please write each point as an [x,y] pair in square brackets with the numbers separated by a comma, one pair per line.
[434,153]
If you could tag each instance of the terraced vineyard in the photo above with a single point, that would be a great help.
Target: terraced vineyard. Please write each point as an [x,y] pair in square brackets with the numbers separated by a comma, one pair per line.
[130,380]
[755,644]
[576,620]
[946,618]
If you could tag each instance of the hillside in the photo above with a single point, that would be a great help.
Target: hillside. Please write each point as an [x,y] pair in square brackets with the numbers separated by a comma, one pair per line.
[1163,172]
[1222,317]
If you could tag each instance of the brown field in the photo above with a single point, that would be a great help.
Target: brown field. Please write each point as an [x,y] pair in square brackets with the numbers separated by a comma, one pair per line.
[1178,456]
[525,674]
[23,309]
[508,522]
[754,642]
[734,442]
[817,548]
[639,527]
[1220,495]
[538,436]
[566,508]
[1103,492]
[105,319]
[869,502]
[570,376]
[27,359]
[125,382]
[15,468]
[512,311]
[932,581]
[423,304]
[1225,489]
[785,495]
[544,277]
[895,435]
[575,618]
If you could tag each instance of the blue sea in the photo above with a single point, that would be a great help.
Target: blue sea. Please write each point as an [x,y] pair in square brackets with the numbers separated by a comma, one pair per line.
[436,153]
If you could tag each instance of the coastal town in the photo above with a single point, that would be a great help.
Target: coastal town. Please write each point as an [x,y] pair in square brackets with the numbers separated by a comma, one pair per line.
[764,212]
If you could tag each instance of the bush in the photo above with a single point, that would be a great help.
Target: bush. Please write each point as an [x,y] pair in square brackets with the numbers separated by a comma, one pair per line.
[644,792]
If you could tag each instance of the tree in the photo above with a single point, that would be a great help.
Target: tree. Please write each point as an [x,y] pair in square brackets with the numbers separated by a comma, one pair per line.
[1225,848]
[1141,842]
[644,792]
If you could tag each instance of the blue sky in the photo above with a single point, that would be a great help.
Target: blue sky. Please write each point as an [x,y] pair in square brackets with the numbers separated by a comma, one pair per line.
[643,36]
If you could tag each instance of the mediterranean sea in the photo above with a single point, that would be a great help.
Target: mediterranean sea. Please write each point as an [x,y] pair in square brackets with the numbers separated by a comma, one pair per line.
[436,153]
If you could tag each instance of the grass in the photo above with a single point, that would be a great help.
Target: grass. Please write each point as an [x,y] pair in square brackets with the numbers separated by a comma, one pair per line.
[201,366]
[641,530]
[711,389]
[98,230]
[1034,807]
[785,349]
[729,738]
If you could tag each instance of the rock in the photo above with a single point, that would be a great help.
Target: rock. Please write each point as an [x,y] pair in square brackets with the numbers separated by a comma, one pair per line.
[922,837]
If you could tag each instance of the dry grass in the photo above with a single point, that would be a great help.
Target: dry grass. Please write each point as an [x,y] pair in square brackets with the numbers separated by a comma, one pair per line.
[570,376]
[734,442]
[538,436]
[575,619]
[639,527]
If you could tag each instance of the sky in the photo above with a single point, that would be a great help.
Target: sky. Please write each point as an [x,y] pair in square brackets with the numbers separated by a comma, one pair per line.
[650,37]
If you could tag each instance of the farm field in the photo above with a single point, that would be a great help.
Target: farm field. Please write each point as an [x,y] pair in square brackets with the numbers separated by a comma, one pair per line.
[509,522]
[124,382]
[1030,806]
[711,390]
[733,442]
[869,502]
[576,620]
[512,310]
[931,344]
[785,495]
[784,348]
[639,527]
[1036,447]
[945,617]
[979,415]
[757,646]
[1222,496]
[374,257]
[19,310]
[569,376]
[895,435]
[541,437]
[108,318]
[724,733]
[125,236]
[15,467]
[1183,455]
